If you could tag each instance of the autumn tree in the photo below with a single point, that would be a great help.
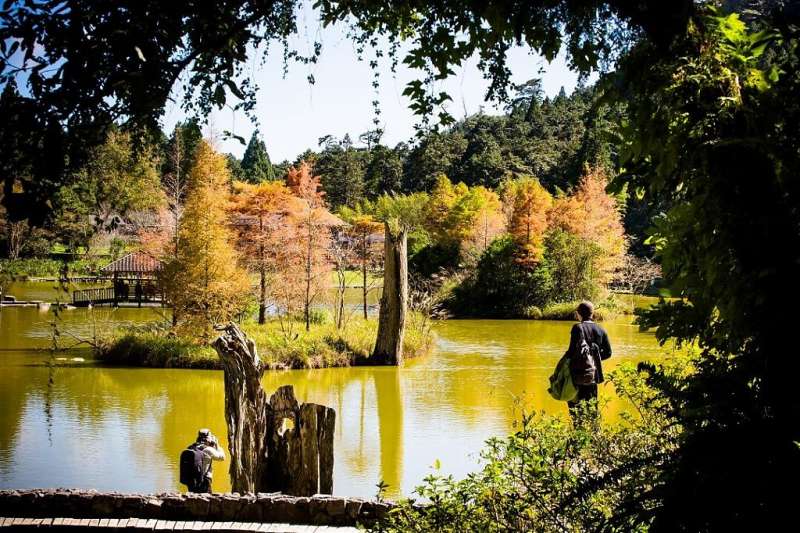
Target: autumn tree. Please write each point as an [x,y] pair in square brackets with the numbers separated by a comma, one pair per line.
[527,204]
[312,224]
[364,230]
[478,220]
[439,220]
[259,216]
[204,283]
[593,215]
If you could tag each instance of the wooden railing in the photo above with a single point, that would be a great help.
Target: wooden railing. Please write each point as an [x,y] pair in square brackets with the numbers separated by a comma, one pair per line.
[108,295]
[93,296]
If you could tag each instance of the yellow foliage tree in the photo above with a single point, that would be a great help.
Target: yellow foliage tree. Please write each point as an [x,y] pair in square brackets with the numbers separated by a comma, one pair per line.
[527,204]
[204,283]
[466,217]
[480,213]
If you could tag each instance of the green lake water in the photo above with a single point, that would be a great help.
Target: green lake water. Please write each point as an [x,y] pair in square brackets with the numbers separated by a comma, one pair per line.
[123,428]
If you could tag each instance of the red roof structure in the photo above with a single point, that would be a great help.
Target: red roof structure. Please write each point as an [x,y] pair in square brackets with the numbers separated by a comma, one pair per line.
[136,263]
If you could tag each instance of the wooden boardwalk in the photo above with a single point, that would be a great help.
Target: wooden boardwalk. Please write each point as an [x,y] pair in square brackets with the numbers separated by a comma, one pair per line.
[140,524]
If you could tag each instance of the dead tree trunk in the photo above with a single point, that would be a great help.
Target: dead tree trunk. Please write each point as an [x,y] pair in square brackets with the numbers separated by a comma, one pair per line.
[276,444]
[392,315]
[245,408]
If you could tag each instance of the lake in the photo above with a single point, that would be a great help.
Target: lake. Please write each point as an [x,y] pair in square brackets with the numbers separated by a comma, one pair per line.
[124,428]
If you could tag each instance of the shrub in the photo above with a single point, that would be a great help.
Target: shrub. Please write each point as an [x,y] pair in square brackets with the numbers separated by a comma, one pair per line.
[566,311]
[433,258]
[533,313]
[501,286]
[572,266]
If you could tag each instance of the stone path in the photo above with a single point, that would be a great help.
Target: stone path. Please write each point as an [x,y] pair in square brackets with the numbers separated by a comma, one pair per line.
[140,524]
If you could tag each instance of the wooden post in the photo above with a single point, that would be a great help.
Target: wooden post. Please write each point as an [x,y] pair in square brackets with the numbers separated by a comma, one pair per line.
[276,444]
[392,315]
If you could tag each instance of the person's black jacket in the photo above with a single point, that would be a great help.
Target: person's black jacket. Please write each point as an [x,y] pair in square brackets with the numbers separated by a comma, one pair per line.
[597,335]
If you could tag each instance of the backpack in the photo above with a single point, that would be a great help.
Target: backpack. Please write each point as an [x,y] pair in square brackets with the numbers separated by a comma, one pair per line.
[583,363]
[192,471]
[561,386]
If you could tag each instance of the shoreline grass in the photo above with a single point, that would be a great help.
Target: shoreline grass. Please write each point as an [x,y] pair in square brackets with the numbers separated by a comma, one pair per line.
[282,345]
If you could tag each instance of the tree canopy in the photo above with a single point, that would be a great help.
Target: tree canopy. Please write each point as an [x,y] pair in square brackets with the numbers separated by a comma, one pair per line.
[140,50]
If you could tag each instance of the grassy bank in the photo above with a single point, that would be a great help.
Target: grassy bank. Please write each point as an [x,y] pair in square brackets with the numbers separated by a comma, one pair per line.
[281,345]
[607,309]
[23,269]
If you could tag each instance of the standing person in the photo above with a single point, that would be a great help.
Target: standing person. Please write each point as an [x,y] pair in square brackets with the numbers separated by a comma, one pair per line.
[585,358]
[196,462]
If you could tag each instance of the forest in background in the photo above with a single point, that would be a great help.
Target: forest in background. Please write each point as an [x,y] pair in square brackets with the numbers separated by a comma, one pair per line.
[103,201]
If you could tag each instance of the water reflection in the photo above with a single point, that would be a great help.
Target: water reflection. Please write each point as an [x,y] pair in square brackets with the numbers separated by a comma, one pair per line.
[123,429]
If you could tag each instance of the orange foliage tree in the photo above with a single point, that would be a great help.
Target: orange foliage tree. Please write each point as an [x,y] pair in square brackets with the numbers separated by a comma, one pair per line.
[259,213]
[527,204]
[312,224]
[592,214]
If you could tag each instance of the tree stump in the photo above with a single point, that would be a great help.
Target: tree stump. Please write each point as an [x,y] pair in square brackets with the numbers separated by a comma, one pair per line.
[276,444]
[394,300]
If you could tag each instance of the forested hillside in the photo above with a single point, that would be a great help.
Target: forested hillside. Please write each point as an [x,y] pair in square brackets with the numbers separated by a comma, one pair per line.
[46,199]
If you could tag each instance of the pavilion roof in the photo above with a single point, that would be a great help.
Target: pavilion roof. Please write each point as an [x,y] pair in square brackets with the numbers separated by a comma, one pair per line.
[133,263]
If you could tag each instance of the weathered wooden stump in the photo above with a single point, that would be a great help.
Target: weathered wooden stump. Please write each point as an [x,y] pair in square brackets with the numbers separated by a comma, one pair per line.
[394,300]
[276,444]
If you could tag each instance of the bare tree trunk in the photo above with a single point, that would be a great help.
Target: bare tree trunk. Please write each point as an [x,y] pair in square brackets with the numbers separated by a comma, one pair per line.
[262,298]
[364,278]
[307,303]
[276,444]
[392,316]
[262,270]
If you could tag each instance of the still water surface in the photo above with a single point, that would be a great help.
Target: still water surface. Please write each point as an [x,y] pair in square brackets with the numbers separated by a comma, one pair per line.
[123,428]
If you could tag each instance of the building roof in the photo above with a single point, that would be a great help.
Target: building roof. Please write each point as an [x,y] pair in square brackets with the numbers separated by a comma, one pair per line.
[133,263]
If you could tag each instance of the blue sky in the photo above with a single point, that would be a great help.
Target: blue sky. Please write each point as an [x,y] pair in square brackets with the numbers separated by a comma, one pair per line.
[293,114]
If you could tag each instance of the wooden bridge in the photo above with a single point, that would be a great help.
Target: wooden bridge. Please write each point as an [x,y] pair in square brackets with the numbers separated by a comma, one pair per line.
[115,296]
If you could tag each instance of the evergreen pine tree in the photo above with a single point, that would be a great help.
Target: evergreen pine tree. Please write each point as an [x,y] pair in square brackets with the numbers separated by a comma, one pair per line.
[256,165]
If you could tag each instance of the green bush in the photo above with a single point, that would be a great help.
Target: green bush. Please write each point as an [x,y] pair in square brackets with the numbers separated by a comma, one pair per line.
[567,310]
[433,258]
[22,269]
[571,261]
[501,286]
[533,313]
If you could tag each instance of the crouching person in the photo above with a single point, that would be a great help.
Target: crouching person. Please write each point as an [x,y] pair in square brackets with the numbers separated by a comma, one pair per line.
[196,462]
